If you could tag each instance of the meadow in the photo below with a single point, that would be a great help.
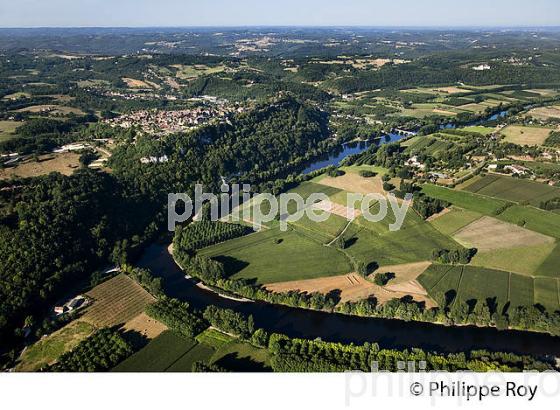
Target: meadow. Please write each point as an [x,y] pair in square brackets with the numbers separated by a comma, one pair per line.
[49,349]
[521,135]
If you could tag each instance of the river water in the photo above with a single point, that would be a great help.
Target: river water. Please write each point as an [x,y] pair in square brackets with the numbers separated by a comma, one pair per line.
[309,324]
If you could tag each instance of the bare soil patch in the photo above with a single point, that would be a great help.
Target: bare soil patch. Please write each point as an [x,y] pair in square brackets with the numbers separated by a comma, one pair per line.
[488,234]
[134,83]
[337,209]
[145,325]
[438,215]
[353,287]
[354,183]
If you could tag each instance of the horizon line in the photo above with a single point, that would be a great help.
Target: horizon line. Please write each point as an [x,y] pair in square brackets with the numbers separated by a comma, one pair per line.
[434,26]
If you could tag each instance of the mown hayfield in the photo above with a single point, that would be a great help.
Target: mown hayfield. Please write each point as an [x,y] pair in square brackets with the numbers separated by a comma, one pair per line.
[49,349]
[487,234]
[274,256]
[525,260]
[517,134]
[454,220]
[551,265]
[537,220]
[116,301]
[467,200]
[158,355]
[546,293]
[513,189]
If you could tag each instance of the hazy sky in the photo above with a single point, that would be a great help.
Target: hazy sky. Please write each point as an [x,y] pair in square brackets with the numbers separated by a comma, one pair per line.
[76,13]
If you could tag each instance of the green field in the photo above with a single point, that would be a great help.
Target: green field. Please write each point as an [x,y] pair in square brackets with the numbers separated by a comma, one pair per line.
[546,293]
[537,220]
[454,220]
[274,256]
[160,354]
[466,283]
[412,243]
[470,201]
[170,352]
[199,353]
[7,129]
[242,357]
[513,189]
[551,265]
[479,129]
[525,261]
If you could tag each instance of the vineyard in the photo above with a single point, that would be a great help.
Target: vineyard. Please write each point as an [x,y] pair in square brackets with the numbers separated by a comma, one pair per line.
[201,234]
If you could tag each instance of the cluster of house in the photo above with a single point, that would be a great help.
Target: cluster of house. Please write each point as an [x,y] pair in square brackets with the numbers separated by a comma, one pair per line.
[71,148]
[135,95]
[513,169]
[154,160]
[78,302]
[481,67]
[168,122]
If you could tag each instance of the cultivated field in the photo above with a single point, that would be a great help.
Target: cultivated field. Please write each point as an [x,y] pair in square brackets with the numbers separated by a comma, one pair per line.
[513,189]
[144,326]
[354,287]
[453,220]
[171,352]
[547,223]
[133,83]
[521,135]
[116,302]
[274,256]
[337,209]
[448,284]
[545,113]
[354,183]
[487,234]
[466,200]
[525,260]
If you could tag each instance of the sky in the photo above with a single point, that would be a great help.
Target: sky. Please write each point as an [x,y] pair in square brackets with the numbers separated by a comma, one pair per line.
[379,13]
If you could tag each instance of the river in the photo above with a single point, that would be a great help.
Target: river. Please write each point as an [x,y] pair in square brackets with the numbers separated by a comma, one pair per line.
[347,149]
[309,324]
